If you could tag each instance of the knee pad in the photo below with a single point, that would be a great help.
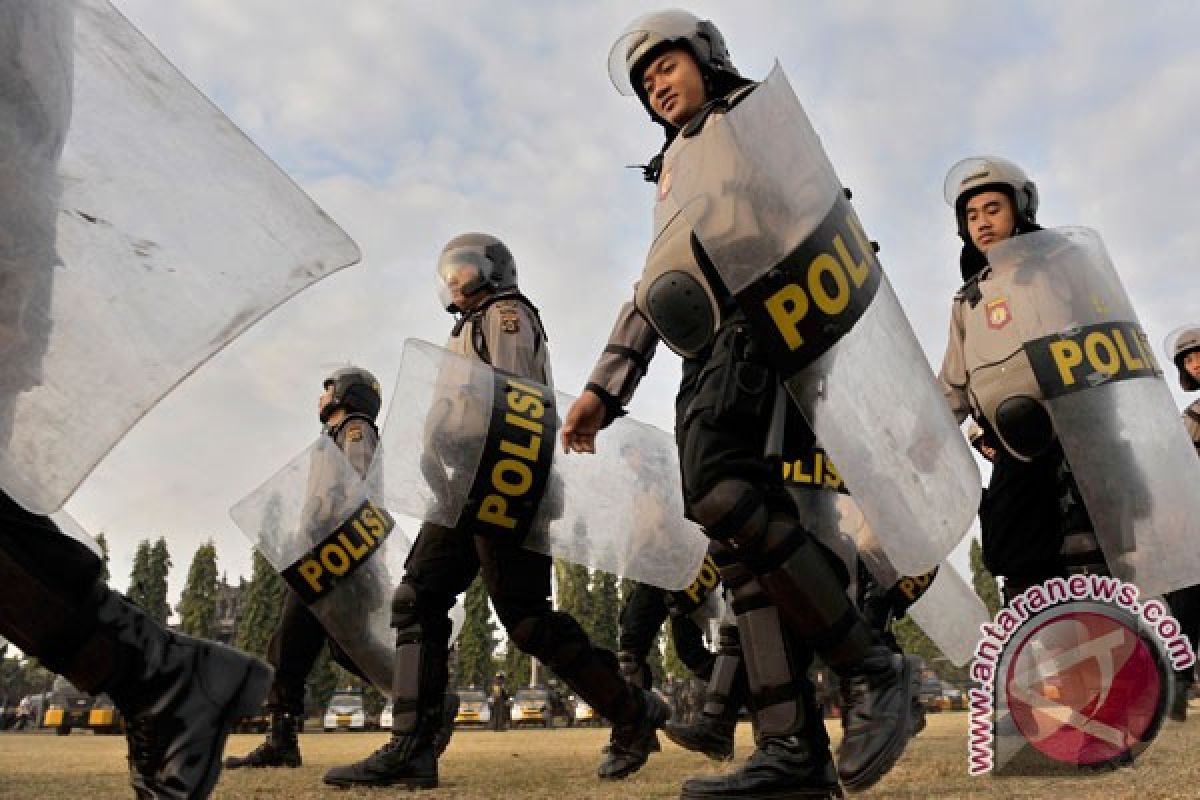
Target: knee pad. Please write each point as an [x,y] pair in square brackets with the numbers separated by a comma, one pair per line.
[404,606]
[732,511]
[553,638]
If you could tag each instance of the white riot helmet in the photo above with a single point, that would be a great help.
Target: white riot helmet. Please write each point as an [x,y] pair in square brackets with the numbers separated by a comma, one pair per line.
[971,176]
[476,262]
[650,34]
[1180,342]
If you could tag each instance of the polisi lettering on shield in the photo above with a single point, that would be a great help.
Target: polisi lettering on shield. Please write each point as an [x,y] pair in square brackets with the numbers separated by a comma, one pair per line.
[706,580]
[516,459]
[1091,356]
[348,547]
[813,470]
[815,295]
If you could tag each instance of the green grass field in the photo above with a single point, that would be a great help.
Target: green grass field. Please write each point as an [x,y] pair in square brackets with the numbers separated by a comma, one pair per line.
[560,764]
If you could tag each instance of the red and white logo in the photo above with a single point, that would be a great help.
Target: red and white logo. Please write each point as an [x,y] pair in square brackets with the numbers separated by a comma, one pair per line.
[1084,688]
[998,313]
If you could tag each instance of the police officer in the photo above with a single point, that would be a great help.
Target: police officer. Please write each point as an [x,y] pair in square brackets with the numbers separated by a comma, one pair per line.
[179,695]
[1033,522]
[1185,603]
[498,326]
[347,408]
[498,703]
[787,591]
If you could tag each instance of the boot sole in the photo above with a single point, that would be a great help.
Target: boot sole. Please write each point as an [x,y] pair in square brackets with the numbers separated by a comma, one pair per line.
[789,793]
[407,783]
[715,755]
[889,755]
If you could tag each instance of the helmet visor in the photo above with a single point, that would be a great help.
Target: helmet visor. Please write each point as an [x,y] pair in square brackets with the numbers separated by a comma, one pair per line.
[462,271]
[639,38]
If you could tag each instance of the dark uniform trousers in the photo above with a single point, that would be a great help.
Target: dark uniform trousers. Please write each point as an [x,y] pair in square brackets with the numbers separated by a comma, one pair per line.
[293,651]
[645,610]
[442,565]
[51,586]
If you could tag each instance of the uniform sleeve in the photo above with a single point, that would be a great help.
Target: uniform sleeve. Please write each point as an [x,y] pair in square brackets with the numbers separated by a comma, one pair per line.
[358,441]
[953,375]
[513,339]
[1191,421]
[625,359]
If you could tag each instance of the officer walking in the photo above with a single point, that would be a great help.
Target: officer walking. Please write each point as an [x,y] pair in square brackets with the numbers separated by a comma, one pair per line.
[1185,603]
[787,592]
[1033,522]
[179,695]
[498,326]
[498,703]
[347,408]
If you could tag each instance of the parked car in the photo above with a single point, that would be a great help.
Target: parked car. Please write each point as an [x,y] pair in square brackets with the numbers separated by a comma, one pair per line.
[473,708]
[585,715]
[68,707]
[105,717]
[535,705]
[346,711]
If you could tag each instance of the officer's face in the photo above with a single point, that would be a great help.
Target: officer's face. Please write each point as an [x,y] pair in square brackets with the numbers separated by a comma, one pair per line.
[674,86]
[325,399]
[456,277]
[989,219]
[1191,362]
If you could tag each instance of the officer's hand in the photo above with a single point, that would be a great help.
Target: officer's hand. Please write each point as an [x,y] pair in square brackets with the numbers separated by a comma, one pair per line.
[584,421]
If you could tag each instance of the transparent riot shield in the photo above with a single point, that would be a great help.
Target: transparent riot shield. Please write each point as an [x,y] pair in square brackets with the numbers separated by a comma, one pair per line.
[773,218]
[328,534]
[1112,410]
[948,610]
[140,232]
[466,445]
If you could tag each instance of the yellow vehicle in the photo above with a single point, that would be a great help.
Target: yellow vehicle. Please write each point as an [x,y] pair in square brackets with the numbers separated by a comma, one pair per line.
[345,711]
[68,708]
[536,705]
[473,708]
[104,717]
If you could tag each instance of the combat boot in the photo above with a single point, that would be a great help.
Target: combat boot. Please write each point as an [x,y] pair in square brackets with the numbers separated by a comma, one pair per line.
[407,759]
[877,684]
[712,733]
[877,704]
[281,749]
[781,768]
[179,696]
[441,739]
[631,743]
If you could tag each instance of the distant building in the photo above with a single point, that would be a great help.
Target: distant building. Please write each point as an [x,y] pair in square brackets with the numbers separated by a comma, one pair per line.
[229,606]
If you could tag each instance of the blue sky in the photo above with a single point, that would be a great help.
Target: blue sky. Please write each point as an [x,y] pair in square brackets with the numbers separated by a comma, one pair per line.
[410,122]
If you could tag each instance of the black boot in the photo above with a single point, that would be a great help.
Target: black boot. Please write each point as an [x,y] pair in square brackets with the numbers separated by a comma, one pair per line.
[620,762]
[407,759]
[281,749]
[179,697]
[877,685]
[1179,699]
[441,739]
[410,757]
[792,757]
[781,768]
[712,732]
[631,743]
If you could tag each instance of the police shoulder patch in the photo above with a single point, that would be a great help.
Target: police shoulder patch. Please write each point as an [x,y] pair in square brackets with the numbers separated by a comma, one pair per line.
[510,318]
[354,432]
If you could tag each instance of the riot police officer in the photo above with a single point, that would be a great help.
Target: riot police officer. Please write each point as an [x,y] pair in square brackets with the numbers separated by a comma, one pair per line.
[1184,350]
[788,592]
[1033,522]
[347,409]
[178,695]
[499,326]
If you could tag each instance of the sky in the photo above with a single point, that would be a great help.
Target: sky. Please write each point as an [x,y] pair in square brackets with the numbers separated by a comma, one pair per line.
[410,122]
